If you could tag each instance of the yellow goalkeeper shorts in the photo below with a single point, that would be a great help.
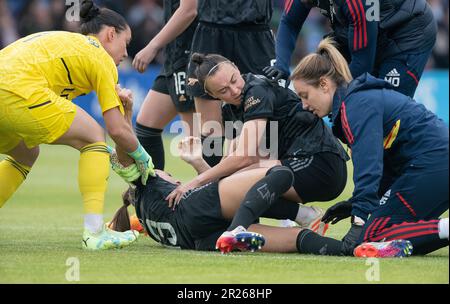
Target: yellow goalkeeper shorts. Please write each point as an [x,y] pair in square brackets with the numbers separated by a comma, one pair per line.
[40,119]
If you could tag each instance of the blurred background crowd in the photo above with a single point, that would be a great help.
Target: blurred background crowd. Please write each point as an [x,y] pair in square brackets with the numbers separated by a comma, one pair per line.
[19,18]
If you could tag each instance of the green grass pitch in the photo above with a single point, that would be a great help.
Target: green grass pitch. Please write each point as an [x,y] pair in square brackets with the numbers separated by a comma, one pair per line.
[41,227]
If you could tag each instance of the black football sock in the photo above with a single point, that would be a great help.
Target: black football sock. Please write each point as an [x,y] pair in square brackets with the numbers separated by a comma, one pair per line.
[427,244]
[258,199]
[309,242]
[212,149]
[151,140]
[282,209]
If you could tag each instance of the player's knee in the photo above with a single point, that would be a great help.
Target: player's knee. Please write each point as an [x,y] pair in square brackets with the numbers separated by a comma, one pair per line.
[24,156]
[34,154]
[282,175]
[96,135]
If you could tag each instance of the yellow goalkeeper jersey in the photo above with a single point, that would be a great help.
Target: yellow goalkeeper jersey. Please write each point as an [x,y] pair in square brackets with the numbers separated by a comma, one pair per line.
[69,64]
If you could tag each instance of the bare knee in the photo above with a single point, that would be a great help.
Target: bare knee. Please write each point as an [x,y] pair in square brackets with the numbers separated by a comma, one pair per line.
[34,154]
[24,155]
[97,136]
[79,138]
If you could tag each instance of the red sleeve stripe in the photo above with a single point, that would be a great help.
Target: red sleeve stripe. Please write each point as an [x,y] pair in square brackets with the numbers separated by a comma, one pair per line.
[359,20]
[413,76]
[358,25]
[288,6]
[355,34]
[364,23]
[345,125]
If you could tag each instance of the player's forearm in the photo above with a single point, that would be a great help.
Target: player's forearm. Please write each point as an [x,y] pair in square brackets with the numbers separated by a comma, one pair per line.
[227,166]
[125,138]
[129,118]
[200,166]
[177,24]
[120,130]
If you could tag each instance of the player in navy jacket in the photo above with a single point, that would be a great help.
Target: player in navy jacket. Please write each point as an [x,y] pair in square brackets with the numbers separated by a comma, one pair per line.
[399,149]
[392,40]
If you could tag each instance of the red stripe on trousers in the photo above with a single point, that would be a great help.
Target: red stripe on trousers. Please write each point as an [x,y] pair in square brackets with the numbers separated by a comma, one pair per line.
[387,234]
[396,227]
[413,76]
[370,228]
[385,223]
[412,235]
[408,225]
[375,227]
[406,204]
[355,33]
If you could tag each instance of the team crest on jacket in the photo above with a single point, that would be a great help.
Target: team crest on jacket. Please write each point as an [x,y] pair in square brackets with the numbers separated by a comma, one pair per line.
[250,102]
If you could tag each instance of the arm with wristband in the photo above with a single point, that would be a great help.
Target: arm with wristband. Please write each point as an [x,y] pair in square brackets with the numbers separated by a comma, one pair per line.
[143,161]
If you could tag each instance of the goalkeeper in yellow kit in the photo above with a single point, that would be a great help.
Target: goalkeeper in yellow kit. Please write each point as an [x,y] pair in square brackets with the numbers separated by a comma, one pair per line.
[39,76]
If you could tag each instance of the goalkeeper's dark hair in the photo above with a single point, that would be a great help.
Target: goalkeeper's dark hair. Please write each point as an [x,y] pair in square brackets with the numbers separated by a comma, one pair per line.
[121,220]
[93,19]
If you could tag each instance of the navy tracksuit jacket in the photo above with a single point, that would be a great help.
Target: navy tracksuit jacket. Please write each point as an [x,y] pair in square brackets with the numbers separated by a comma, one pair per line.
[400,153]
[392,41]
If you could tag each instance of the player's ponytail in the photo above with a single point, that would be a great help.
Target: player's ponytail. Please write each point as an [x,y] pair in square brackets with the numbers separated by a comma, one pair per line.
[94,18]
[326,62]
[207,65]
[121,220]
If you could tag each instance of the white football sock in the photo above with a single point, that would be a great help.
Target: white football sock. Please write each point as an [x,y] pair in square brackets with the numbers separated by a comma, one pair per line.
[305,214]
[443,229]
[287,223]
[93,222]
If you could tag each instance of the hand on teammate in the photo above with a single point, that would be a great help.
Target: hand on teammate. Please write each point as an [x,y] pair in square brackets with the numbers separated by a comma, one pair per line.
[144,57]
[143,162]
[177,195]
[128,172]
[190,149]
[337,212]
[145,167]
[276,74]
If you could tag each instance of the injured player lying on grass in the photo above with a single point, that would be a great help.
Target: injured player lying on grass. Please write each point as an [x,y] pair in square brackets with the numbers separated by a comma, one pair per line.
[224,215]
